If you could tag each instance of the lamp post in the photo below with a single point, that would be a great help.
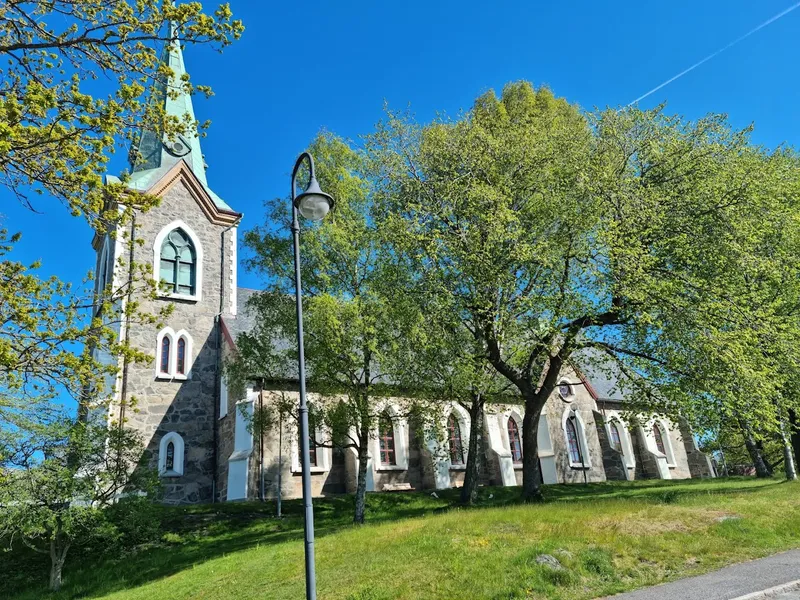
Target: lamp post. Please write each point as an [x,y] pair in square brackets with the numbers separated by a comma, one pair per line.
[313,204]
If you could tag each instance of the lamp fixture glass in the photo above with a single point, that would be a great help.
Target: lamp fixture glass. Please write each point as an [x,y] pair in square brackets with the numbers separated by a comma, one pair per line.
[314,204]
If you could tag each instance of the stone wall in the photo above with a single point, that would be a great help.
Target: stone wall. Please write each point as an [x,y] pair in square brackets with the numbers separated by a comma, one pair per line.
[186,407]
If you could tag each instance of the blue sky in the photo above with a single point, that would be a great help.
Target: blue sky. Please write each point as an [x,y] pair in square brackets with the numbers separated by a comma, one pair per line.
[304,66]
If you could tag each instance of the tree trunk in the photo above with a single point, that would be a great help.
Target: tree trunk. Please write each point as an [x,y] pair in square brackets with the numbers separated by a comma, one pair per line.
[57,557]
[762,470]
[361,487]
[794,434]
[469,492]
[788,459]
[531,475]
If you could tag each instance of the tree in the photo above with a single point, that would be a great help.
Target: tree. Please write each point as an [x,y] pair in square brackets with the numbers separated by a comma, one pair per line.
[355,328]
[59,478]
[549,231]
[56,137]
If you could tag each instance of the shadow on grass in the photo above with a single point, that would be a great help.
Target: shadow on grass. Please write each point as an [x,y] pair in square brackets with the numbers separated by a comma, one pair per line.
[196,534]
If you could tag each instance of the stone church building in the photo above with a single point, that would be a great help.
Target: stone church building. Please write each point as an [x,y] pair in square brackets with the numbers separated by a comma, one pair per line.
[196,431]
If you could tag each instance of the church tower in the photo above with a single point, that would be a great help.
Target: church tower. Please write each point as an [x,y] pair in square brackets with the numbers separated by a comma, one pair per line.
[189,247]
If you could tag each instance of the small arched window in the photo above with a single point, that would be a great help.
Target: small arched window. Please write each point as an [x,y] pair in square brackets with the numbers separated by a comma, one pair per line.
[165,355]
[169,461]
[514,441]
[454,441]
[386,438]
[181,362]
[616,441]
[312,436]
[574,445]
[178,270]
[659,436]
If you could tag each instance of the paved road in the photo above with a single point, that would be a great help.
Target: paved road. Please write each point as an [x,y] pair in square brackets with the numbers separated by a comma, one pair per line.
[730,582]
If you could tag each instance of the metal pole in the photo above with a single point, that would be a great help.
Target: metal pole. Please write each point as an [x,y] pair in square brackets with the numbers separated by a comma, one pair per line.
[308,510]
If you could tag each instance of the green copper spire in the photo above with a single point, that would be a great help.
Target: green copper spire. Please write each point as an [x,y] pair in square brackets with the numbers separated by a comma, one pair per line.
[156,155]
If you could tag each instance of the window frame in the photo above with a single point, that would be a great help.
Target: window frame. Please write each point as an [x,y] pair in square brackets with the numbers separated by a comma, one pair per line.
[174,338]
[513,422]
[583,442]
[386,441]
[455,441]
[171,438]
[198,248]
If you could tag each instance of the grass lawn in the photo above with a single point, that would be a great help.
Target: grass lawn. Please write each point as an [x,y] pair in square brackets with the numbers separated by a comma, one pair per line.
[610,537]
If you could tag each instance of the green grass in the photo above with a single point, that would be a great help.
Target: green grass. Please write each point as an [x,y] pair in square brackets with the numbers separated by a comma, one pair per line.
[610,537]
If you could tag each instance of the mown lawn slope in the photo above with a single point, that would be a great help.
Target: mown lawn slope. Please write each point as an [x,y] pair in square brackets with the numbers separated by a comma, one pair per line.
[609,537]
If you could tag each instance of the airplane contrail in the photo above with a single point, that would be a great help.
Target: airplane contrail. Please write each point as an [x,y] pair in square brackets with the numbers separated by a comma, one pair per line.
[720,51]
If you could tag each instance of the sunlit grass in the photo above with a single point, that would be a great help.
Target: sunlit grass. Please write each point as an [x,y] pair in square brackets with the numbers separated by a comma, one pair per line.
[608,537]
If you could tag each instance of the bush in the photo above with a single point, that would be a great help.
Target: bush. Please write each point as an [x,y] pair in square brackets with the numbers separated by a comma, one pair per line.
[137,520]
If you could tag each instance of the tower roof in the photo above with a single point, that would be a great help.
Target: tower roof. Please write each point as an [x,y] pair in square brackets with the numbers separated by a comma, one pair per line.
[155,155]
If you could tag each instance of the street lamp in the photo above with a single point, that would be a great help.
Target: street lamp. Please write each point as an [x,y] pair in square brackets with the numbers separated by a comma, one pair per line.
[313,204]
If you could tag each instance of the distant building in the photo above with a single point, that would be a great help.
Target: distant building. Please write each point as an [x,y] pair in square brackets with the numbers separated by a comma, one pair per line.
[196,431]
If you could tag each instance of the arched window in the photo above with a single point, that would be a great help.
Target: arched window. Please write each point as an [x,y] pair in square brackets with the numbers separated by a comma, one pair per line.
[574,444]
[386,438]
[170,455]
[165,355]
[514,440]
[454,441]
[181,362]
[659,436]
[169,461]
[178,268]
[312,436]
[616,441]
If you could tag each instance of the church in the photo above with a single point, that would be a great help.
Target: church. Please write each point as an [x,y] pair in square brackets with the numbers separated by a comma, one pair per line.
[197,432]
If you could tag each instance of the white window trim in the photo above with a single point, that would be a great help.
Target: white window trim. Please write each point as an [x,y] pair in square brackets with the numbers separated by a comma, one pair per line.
[198,248]
[571,390]
[177,440]
[517,418]
[223,397]
[462,416]
[323,454]
[651,441]
[102,268]
[625,438]
[581,431]
[174,336]
[399,426]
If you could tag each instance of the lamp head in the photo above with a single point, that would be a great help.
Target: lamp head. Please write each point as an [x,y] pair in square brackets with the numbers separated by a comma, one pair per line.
[313,203]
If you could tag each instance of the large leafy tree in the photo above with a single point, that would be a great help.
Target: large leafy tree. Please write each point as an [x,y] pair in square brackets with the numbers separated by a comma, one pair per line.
[549,231]
[73,88]
[356,326]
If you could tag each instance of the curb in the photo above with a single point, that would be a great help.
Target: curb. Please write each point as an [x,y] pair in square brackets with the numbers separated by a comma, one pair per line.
[773,591]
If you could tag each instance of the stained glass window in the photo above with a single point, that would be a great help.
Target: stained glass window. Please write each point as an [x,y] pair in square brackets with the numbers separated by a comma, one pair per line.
[181,364]
[658,434]
[165,354]
[616,442]
[574,445]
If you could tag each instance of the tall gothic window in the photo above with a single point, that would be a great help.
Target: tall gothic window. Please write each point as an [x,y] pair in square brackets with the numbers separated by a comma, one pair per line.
[616,442]
[181,362]
[178,263]
[169,462]
[454,441]
[658,434]
[165,354]
[386,437]
[574,445]
[514,441]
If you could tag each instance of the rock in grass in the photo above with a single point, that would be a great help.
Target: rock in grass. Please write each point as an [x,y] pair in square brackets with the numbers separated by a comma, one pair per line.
[549,561]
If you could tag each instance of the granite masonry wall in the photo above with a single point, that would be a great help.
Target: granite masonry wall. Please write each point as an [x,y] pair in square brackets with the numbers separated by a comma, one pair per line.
[187,407]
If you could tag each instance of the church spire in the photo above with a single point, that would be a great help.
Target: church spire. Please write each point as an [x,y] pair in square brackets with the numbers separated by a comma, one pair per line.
[155,152]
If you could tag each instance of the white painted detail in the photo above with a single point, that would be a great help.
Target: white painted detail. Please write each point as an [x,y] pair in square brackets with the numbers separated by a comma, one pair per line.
[239,460]
[172,371]
[580,428]
[223,397]
[233,273]
[400,427]
[177,467]
[198,248]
